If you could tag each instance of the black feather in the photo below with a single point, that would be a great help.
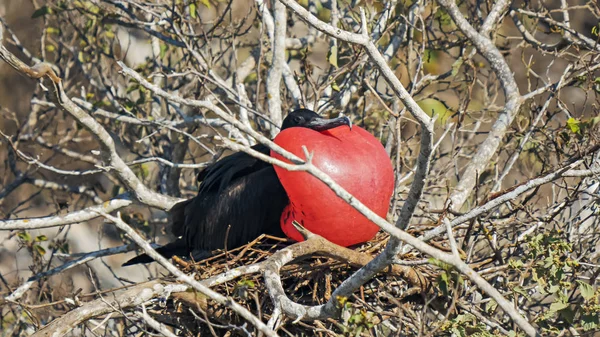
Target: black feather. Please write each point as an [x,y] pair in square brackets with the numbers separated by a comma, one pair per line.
[239,199]
[177,247]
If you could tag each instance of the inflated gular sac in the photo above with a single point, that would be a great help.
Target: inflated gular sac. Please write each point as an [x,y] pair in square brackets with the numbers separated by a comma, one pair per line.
[356,161]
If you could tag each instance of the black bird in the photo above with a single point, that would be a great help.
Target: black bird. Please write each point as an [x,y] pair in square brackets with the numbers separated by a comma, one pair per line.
[239,199]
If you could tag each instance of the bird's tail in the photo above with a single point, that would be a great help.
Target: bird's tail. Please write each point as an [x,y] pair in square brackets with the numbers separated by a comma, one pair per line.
[177,247]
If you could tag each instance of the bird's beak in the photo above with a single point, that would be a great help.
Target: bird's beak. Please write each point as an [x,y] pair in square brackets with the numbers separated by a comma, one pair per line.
[322,124]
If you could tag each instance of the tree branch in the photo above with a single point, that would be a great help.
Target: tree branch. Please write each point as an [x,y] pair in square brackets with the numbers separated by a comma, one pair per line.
[490,145]
[109,152]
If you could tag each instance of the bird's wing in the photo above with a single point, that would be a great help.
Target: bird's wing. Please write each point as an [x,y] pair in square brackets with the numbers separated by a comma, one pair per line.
[215,178]
[223,172]
[250,205]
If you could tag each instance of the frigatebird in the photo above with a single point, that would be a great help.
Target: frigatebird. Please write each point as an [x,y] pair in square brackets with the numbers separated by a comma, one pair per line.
[240,197]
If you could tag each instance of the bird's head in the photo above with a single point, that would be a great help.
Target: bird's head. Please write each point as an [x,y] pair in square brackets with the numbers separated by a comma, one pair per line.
[305,118]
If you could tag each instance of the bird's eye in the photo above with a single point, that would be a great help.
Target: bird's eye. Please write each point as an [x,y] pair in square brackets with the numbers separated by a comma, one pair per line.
[299,119]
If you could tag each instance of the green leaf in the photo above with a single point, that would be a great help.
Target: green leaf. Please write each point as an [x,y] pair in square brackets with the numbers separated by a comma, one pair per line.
[589,322]
[163,50]
[568,314]
[41,12]
[252,77]
[434,107]
[64,248]
[557,306]
[40,250]
[41,238]
[459,331]
[491,306]
[587,291]
[246,283]
[513,263]
[554,288]
[443,281]
[521,291]
[24,236]
[335,87]
[193,10]
[332,56]
[144,171]
[456,66]
[342,300]
[573,125]
[132,88]
[206,3]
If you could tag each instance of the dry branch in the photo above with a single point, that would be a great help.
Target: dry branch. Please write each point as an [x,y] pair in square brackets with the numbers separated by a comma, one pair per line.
[131,297]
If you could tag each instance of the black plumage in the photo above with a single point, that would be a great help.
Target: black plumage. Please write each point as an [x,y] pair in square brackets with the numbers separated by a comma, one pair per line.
[240,198]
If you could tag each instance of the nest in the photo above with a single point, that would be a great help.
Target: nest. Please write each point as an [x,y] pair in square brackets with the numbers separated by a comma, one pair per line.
[380,306]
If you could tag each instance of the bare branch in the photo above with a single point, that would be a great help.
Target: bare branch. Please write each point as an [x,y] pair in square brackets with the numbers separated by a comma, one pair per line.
[275,73]
[489,147]
[74,217]
[131,297]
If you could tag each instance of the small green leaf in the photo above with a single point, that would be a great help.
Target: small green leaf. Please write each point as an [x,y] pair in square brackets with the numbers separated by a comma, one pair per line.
[64,248]
[557,306]
[459,331]
[456,66]
[252,77]
[332,56]
[144,170]
[342,300]
[41,238]
[587,291]
[163,50]
[589,322]
[206,3]
[335,87]
[41,12]
[568,314]
[521,291]
[24,236]
[491,306]
[433,107]
[40,250]
[246,283]
[554,288]
[52,30]
[513,263]
[193,10]
[573,125]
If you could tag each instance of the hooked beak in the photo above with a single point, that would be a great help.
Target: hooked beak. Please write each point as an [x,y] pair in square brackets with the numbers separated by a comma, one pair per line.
[322,124]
